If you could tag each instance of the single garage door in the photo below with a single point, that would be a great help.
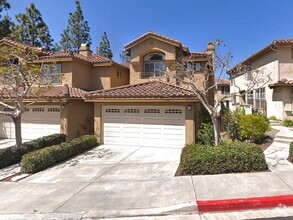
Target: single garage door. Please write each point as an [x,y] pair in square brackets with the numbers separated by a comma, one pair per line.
[144,126]
[37,121]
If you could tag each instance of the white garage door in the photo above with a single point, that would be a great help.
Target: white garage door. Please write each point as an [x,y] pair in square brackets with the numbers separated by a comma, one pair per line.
[144,126]
[37,121]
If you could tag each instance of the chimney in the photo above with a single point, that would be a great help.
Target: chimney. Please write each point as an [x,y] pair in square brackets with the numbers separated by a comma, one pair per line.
[211,48]
[85,50]
[97,50]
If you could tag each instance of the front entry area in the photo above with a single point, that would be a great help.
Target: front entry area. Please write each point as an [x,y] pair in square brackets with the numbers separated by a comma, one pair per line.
[37,121]
[160,126]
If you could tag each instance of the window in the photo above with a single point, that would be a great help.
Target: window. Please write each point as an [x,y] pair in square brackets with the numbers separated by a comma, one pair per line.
[53,109]
[154,66]
[38,109]
[225,90]
[249,98]
[196,66]
[173,111]
[260,100]
[119,74]
[152,111]
[112,110]
[131,110]
[52,73]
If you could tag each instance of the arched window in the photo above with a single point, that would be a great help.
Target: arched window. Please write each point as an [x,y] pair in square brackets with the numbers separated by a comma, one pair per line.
[154,66]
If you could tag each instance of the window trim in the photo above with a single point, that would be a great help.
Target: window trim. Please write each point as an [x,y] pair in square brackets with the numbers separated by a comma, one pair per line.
[157,72]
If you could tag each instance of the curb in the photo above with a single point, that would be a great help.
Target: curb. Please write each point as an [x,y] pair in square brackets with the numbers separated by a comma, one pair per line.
[244,203]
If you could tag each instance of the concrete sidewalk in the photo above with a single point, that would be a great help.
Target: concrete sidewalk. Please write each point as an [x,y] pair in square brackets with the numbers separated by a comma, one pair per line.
[125,181]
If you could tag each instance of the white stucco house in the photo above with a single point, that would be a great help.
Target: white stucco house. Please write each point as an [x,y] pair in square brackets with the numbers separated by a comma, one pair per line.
[264,80]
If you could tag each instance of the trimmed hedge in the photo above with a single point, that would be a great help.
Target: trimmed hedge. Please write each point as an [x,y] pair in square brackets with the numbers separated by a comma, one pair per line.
[232,157]
[41,159]
[12,155]
[290,158]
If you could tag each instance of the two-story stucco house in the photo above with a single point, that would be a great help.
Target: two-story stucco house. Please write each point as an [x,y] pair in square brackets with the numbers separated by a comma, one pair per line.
[141,104]
[62,108]
[153,110]
[274,98]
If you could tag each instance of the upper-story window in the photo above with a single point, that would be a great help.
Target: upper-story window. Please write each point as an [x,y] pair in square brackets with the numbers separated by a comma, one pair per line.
[194,66]
[225,90]
[154,66]
[52,73]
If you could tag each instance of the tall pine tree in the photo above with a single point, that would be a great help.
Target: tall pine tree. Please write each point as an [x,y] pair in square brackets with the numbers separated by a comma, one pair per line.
[77,30]
[31,29]
[5,22]
[104,49]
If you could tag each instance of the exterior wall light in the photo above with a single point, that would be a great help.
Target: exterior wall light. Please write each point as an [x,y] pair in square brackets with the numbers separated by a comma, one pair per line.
[63,106]
[189,107]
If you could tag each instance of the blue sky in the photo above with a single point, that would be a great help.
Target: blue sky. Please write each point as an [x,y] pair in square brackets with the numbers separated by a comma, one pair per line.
[245,26]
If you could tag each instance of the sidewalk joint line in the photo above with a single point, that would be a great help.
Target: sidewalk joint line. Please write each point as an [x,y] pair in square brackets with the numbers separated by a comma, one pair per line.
[283,181]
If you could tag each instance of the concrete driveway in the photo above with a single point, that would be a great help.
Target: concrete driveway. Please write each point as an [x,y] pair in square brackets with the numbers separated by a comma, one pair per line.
[106,181]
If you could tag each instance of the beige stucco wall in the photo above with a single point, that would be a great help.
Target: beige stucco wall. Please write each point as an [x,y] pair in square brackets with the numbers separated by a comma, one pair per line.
[101,77]
[66,68]
[77,119]
[119,81]
[139,51]
[283,96]
[285,63]
[190,115]
[269,65]
[82,77]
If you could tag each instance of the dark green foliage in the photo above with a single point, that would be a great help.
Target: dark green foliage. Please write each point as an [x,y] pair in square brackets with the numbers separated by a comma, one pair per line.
[253,127]
[12,155]
[4,5]
[77,31]
[49,156]
[31,29]
[5,22]
[287,123]
[206,134]
[232,126]
[104,49]
[124,58]
[290,158]
[233,157]
[5,27]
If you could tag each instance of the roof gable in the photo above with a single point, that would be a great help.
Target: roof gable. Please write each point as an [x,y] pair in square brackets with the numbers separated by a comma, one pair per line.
[157,36]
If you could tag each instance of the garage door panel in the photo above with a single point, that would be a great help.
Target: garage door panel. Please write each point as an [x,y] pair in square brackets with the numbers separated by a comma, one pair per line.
[36,122]
[145,126]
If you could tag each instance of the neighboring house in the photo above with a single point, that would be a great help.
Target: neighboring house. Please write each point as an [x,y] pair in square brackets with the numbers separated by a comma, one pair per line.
[223,90]
[63,109]
[275,98]
[154,109]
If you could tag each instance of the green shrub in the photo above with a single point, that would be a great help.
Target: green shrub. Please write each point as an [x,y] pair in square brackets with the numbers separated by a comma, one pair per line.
[253,127]
[233,157]
[206,134]
[49,156]
[287,123]
[273,118]
[12,155]
[232,125]
[290,158]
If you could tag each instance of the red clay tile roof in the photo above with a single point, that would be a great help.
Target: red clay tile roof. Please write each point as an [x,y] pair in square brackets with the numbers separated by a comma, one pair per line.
[62,91]
[8,41]
[153,89]
[155,35]
[222,81]
[282,82]
[70,54]
[93,59]
[194,55]
[275,43]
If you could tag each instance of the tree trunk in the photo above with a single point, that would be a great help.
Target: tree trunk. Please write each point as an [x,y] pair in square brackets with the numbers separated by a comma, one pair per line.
[17,123]
[216,129]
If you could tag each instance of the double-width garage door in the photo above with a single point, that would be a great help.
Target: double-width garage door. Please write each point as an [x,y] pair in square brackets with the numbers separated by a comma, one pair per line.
[37,121]
[144,126]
